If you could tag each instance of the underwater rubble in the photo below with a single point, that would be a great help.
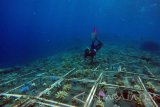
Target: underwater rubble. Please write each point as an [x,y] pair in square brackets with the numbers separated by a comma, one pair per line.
[118,78]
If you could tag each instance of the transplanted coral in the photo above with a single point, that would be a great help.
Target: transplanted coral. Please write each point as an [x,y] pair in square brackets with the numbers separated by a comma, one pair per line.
[99,103]
[150,87]
[139,101]
[136,86]
[74,101]
[120,82]
[118,75]
[45,84]
[47,93]
[88,71]
[133,82]
[61,95]
[67,87]
[18,102]
[66,64]
[58,86]
[103,87]
[5,100]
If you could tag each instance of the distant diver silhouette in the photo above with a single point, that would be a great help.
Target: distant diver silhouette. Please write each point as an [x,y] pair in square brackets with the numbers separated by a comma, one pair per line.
[95,46]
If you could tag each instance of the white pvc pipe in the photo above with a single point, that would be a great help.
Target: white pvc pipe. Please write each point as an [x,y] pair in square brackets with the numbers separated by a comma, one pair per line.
[149,70]
[53,102]
[50,105]
[154,103]
[9,95]
[20,86]
[90,96]
[59,81]
[16,78]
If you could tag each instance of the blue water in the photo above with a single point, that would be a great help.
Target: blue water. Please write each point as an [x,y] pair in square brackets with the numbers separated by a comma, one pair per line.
[32,29]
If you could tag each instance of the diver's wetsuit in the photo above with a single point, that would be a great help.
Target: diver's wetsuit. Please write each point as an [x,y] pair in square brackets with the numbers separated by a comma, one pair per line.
[95,46]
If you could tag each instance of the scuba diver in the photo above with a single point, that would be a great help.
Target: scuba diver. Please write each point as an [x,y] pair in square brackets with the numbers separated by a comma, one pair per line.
[95,46]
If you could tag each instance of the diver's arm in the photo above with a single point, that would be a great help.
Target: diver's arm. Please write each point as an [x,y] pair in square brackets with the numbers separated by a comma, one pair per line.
[99,42]
[93,44]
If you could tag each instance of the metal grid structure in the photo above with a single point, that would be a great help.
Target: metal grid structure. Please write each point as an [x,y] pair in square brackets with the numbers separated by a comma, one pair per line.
[121,81]
[81,92]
